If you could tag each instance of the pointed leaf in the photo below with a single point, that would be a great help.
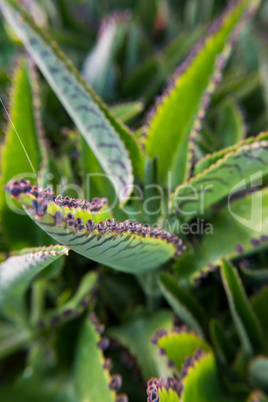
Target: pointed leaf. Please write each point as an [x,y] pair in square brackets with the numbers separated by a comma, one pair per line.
[222,179]
[246,322]
[128,110]
[180,345]
[183,304]
[16,273]
[109,139]
[91,379]
[99,64]
[176,113]
[14,162]
[90,230]
[208,160]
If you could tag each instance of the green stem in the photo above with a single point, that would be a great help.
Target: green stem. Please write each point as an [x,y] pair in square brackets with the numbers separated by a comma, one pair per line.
[37,301]
[151,289]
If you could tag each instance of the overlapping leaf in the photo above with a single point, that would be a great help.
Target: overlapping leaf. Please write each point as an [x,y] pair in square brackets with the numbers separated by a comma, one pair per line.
[226,177]
[246,228]
[109,139]
[208,160]
[180,345]
[175,115]
[90,230]
[16,273]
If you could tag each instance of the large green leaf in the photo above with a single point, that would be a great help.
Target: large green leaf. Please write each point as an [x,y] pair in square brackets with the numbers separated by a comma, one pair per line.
[245,223]
[224,178]
[92,380]
[208,160]
[17,272]
[180,345]
[14,162]
[88,229]
[183,304]
[108,138]
[175,115]
[246,322]
[136,335]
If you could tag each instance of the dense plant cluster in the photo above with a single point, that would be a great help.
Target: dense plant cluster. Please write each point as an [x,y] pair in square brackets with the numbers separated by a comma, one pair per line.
[134,201]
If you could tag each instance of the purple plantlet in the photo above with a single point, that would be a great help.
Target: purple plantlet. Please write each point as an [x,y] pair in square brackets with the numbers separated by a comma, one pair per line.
[116,382]
[108,364]
[239,249]
[103,343]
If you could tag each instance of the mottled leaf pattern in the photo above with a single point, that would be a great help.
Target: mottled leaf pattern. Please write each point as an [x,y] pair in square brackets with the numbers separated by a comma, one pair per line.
[208,160]
[90,230]
[100,132]
[225,177]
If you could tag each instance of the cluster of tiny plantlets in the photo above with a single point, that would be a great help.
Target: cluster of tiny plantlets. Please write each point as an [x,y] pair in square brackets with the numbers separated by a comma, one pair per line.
[109,296]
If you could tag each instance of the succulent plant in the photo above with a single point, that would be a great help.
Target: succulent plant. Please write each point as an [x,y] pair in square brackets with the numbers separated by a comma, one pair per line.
[134,256]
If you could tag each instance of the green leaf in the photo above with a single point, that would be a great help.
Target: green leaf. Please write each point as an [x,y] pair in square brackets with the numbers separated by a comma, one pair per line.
[91,379]
[88,229]
[183,304]
[109,139]
[230,125]
[17,272]
[245,221]
[182,344]
[98,68]
[245,320]
[136,336]
[168,395]
[258,372]
[178,110]
[222,345]
[257,302]
[128,110]
[208,160]
[202,383]
[258,276]
[14,162]
[224,178]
